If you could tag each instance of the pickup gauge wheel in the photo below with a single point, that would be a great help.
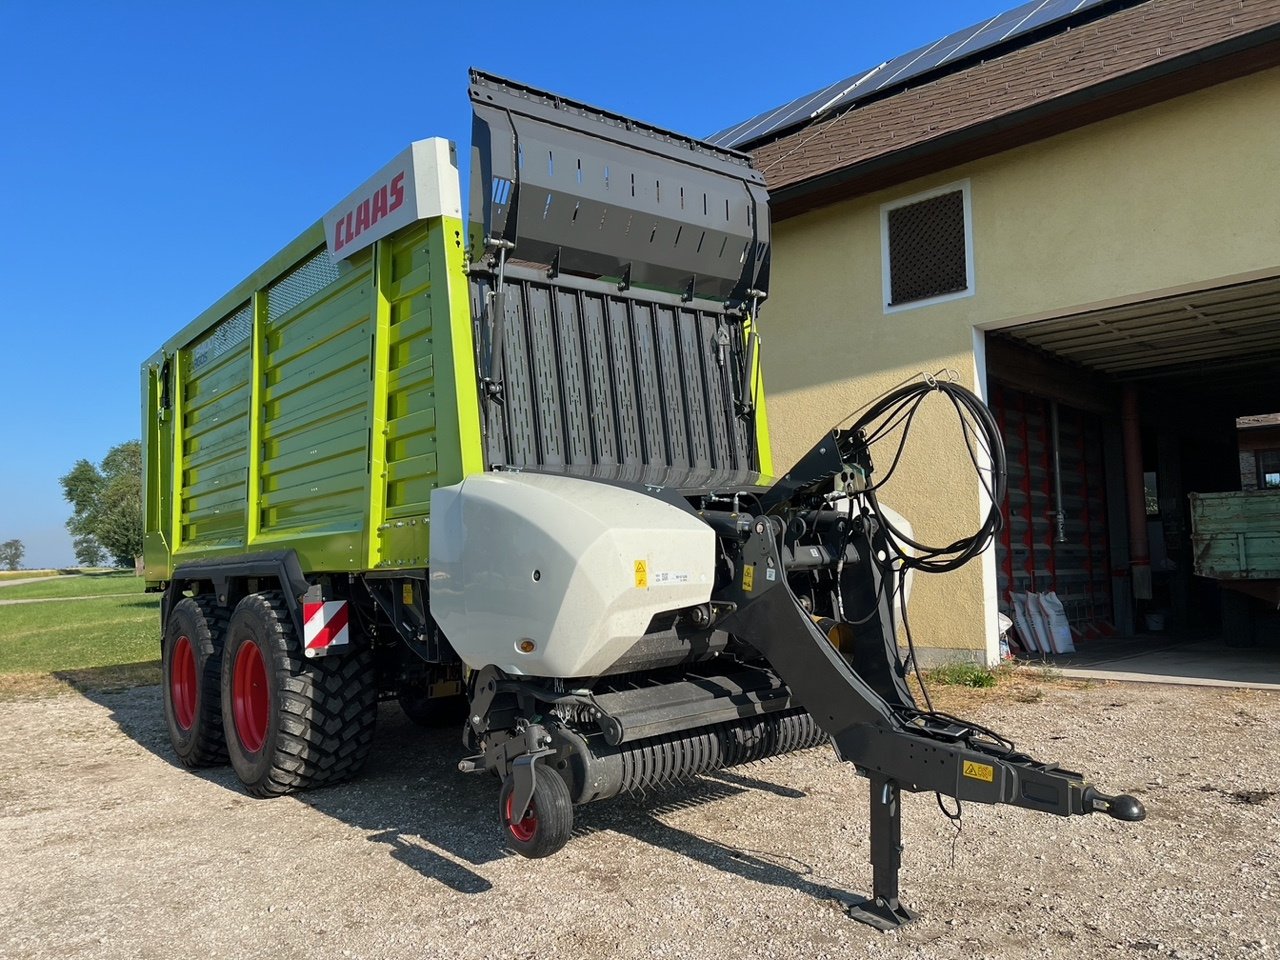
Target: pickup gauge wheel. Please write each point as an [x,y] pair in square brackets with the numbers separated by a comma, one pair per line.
[191,662]
[547,824]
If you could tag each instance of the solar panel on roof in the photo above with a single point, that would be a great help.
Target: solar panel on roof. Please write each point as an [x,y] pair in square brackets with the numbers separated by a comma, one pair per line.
[1054,10]
[778,118]
[923,60]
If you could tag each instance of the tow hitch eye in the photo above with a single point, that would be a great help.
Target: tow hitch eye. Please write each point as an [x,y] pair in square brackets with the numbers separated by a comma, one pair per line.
[1121,807]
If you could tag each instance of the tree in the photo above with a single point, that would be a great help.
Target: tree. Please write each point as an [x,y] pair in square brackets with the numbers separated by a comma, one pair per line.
[11,552]
[89,552]
[106,503]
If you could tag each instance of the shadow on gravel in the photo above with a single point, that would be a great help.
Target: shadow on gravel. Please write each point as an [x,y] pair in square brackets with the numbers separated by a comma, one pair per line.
[638,817]
[115,678]
[411,799]
[137,711]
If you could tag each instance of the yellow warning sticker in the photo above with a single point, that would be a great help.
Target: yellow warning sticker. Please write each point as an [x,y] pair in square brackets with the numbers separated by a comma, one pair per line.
[406,593]
[642,574]
[749,577]
[979,771]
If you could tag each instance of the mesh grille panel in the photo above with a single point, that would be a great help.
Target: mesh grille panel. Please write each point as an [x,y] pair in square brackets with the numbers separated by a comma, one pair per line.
[302,282]
[235,329]
[927,249]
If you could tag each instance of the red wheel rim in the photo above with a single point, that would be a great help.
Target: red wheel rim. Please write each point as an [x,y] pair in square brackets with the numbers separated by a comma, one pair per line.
[249,701]
[526,828]
[182,682]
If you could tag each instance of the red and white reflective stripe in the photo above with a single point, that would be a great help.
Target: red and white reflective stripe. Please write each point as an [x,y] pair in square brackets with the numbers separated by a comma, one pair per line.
[324,625]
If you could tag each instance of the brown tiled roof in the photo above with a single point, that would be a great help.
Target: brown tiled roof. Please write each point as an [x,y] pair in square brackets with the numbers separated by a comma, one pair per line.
[1123,43]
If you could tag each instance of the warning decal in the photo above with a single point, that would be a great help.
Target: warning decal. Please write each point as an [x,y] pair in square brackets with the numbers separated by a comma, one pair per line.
[324,626]
[749,577]
[979,771]
[642,574]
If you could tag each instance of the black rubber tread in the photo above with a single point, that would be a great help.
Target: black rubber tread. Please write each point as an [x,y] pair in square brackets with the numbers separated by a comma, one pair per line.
[323,710]
[205,624]
[553,808]
[433,712]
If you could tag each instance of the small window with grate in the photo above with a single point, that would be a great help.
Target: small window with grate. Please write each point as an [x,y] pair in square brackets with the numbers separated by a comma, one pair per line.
[927,248]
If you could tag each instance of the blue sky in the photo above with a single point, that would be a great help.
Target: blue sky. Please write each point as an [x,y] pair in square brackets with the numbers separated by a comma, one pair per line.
[154,154]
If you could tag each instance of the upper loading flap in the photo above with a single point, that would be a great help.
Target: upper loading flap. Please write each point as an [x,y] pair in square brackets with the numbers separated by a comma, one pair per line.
[590,192]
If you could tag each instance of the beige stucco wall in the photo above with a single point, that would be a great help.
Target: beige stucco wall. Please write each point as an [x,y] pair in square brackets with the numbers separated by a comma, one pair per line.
[1175,197]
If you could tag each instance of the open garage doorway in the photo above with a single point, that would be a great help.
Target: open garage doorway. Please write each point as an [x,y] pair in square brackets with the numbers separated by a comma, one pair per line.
[1144,490]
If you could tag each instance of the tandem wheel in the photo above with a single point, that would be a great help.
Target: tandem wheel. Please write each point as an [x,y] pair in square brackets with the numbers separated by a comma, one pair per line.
[548,823]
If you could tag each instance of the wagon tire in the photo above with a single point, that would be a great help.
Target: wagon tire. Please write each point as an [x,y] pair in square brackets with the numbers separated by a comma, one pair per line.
[292,722]
[191,670]
[548,824]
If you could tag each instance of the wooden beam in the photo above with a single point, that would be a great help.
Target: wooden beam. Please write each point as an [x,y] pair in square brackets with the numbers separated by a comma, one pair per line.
[1043,376]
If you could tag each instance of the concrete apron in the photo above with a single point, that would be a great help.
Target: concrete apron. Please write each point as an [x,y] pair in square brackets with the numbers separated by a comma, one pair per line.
[1202,663]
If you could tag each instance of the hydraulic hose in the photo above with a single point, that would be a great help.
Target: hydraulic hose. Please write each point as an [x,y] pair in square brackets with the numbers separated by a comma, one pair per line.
[896,410]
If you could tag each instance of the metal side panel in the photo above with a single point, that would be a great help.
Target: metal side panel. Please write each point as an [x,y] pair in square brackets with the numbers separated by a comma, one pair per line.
[426,414]
[214,406]
[605,195]
[616,272]
[314,421]
[593,377]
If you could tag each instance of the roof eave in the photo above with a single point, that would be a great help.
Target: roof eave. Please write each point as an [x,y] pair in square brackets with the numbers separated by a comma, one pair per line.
[1237,57]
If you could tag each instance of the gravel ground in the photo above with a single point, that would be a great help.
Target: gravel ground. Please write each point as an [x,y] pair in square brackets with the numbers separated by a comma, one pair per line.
[112,851]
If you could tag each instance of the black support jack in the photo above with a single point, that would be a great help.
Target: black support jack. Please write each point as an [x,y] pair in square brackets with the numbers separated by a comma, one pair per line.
[884,910]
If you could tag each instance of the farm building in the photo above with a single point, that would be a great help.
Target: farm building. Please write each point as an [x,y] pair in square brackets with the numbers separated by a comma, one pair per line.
[1072,206]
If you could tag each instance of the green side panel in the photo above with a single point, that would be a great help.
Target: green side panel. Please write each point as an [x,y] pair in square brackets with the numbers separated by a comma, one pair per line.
[317,409]
[430,422]
[214,407]
[1236,536]
[314,426]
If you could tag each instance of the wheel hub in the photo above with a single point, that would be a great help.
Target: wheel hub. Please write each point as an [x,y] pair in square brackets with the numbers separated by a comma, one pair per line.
[251,703]
[522,830]
[182,682]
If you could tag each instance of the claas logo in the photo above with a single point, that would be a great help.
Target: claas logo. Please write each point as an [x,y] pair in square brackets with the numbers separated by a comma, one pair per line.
[386,199]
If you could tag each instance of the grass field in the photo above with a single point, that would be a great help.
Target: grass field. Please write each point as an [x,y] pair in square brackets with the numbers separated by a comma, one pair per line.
[86,585]
[107,641]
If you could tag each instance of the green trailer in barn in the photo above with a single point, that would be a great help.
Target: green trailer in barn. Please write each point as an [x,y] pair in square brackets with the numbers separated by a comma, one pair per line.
[1235,539]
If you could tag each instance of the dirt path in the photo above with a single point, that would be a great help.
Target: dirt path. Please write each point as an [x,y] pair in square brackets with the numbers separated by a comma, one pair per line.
[112,851]
[51,576]
[99,596]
